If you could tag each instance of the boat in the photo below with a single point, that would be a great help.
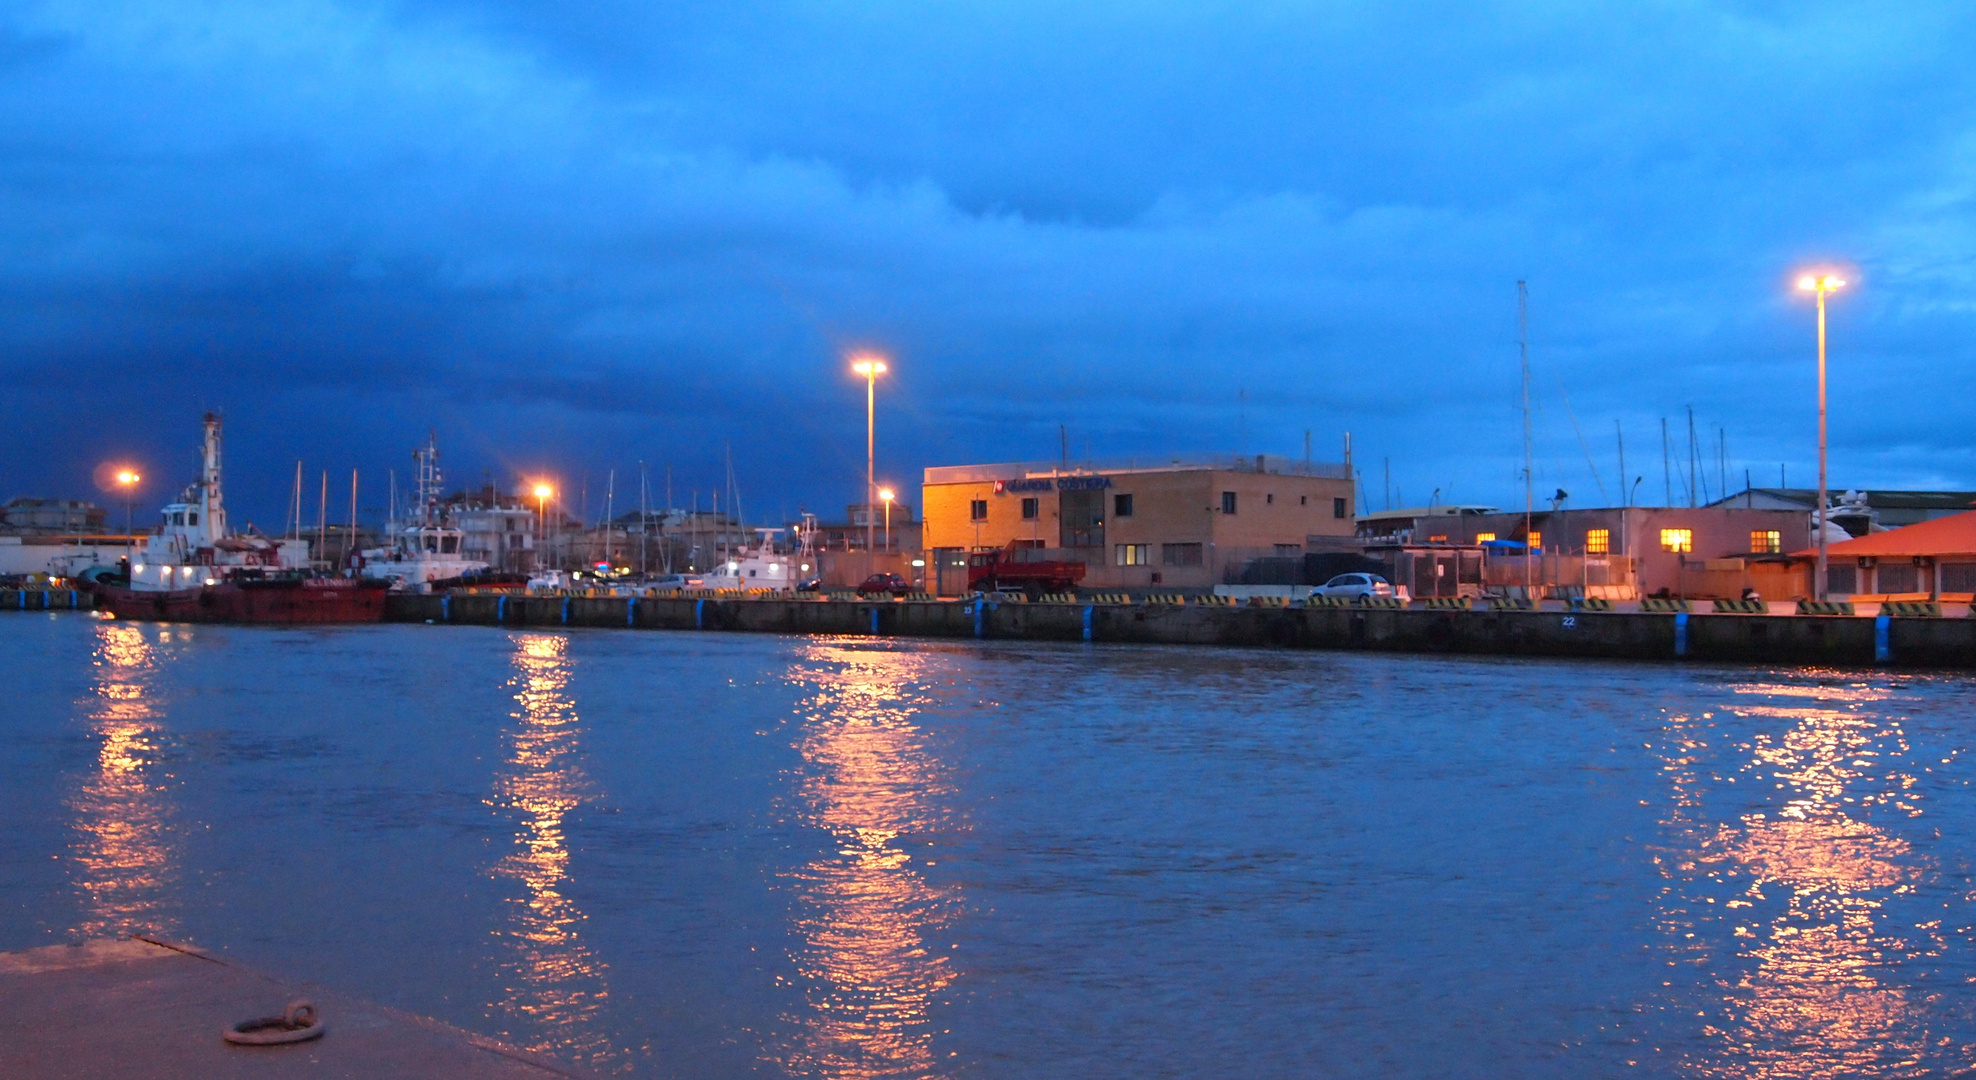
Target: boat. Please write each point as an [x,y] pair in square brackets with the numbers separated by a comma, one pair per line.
[192,568]
[761,566]
[427,551]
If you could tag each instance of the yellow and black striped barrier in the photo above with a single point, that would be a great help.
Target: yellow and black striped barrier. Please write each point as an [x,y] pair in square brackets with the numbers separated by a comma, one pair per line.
[1448,603]
[1327,601]
[1664,605]
[1059,598]
[1912,609]
[1167,599]
[1269,601]
[1724,606]
[1825,607]
[1111,598]
[1511,603]
[1594,603]
[1217,601]
[1388,602]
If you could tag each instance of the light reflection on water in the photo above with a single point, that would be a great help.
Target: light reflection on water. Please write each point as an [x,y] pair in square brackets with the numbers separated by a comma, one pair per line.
[870,963]
[123,810]
[555,985]
[1804,876]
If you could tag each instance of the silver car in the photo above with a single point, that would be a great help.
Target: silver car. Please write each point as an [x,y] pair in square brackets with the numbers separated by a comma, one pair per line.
[1355,585]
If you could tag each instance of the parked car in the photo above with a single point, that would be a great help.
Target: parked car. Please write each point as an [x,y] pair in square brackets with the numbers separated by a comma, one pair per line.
[885,585]
[1355,585]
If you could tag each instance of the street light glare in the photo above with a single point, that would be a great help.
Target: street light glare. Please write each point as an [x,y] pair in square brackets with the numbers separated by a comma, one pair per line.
[127,477]
[1827,283]
[543,491]
[886,494]
[869,366]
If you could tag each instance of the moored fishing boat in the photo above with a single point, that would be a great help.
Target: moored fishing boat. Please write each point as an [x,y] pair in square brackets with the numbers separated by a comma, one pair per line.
[193,569]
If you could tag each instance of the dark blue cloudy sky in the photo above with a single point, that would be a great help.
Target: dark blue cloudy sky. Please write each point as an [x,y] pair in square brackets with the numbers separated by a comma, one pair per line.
[575,236]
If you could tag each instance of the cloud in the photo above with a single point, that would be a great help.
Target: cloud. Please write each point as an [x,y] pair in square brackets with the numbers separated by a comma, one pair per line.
[583,237]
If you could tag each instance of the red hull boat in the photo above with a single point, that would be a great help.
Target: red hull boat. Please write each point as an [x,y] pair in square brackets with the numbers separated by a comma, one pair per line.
[286,599]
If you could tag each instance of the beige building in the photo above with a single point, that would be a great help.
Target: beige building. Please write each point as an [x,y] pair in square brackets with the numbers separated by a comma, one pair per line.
[1183,524]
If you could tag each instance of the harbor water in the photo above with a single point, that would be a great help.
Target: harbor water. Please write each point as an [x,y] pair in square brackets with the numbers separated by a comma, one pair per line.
[710,855]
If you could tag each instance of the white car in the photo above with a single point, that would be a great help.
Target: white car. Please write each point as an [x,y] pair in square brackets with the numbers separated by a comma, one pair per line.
[1355,585]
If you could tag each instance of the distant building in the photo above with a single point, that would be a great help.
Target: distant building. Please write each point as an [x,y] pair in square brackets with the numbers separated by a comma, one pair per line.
[849,534]
[1858,511]
[498,529]
[1177,524]
[54,517]
[1687,551]
[1932,557]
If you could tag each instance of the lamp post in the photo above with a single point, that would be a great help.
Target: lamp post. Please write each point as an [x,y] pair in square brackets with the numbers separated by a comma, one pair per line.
[871,368]
[885,495]
[542,493]
[1821,285]
[128,479]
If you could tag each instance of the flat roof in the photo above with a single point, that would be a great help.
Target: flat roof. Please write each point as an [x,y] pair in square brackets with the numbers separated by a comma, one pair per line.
[1266,464]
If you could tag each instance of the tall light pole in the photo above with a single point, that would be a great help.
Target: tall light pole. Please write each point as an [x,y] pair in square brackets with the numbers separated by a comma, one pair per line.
[885,494]
[542,493]
[871,368]
[128,479]
[1821,285]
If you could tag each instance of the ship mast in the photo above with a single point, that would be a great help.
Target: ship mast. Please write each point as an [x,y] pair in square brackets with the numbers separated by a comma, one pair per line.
[1529,501]
[212,509]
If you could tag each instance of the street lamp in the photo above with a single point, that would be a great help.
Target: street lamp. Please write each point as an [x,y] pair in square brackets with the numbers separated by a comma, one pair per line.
[128,479]
[542,493]
[871,368]
[885,494]
[1821,284]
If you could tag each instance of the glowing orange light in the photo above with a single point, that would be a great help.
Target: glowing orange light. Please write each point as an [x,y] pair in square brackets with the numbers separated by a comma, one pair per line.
[868,366]
[1823,283]
[543,491]
[126,477]
[886,494]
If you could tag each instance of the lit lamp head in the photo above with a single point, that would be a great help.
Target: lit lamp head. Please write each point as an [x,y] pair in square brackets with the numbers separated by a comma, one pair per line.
[886,494]
[1820,283]
[543,491]
[868,366]
[128,478]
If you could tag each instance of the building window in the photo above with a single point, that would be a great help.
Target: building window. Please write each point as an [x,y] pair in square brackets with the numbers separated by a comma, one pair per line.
[1766,542]
[1338,508]
[1304,500]
[1441,539]
[1535,539]
[1227,502]
[1483,538]
[1677,540]
[1030,508]
[1843,580]
[1897,578]
[1131,554]
[977,510]
[1270,498]
[1180,554]
[1598,541]
[1121,506]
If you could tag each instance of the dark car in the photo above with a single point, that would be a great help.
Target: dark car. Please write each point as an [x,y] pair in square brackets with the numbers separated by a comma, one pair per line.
[885,585]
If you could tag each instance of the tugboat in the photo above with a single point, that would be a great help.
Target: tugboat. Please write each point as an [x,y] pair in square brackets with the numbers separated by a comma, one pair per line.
[428,550]
[191,569]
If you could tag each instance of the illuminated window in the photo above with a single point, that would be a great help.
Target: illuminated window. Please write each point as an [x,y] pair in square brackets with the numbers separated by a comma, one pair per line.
[1677,540]
[1442,539]
[1598,541]
[977,510]
[1766,542]
[1131,554]
[1535,539]
[1029,509]
[1483,538]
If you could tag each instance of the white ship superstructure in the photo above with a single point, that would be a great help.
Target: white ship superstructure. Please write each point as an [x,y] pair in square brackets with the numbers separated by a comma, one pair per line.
[191,546]
[430,549]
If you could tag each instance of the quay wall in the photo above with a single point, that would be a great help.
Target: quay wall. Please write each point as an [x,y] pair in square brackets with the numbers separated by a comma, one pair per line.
[1837,641]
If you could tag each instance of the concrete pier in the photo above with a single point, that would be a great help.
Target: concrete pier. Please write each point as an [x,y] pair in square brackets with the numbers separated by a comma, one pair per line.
[140,1008]
[1839,641]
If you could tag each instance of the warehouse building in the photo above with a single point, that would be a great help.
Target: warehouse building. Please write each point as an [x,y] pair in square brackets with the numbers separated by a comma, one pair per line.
[1179,524]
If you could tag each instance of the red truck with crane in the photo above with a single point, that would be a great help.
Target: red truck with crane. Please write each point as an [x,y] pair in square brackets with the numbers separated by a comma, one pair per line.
[1022,568]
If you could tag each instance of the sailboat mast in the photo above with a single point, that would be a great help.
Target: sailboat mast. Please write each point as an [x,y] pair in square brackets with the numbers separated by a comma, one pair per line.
[1529,498]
